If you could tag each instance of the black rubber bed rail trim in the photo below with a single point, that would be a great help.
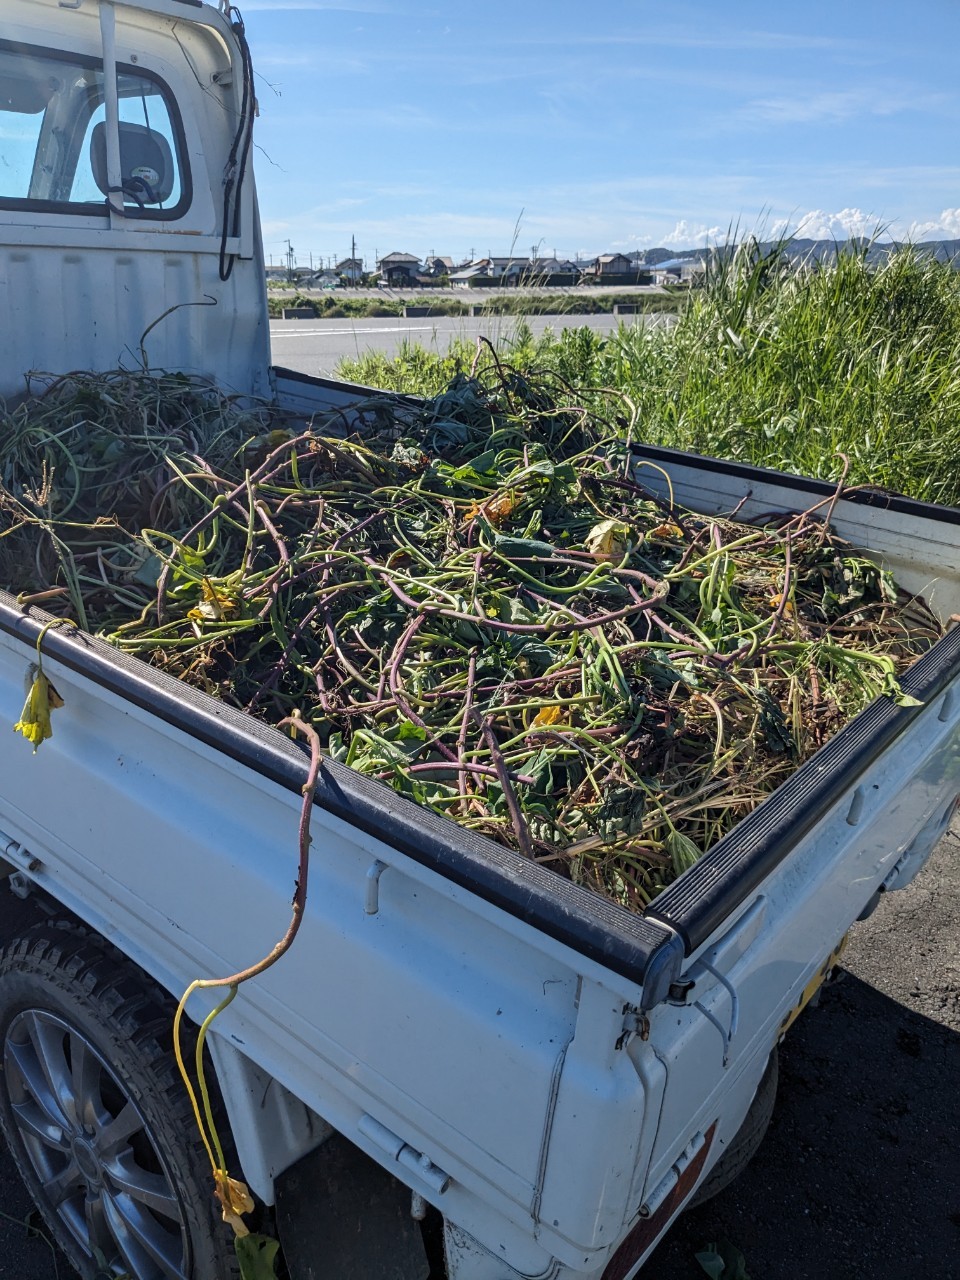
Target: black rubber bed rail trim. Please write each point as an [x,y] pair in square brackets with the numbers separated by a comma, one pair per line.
[620,940]
[701,899]
[887,501]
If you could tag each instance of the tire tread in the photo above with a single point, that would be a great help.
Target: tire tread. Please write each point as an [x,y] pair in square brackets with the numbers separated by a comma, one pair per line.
[76,962]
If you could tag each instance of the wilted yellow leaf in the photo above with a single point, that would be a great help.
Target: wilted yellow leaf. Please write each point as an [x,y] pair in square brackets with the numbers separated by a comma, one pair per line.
[668,530]
[608,540]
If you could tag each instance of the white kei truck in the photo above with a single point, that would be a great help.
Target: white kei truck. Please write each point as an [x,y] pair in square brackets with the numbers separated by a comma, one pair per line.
[466,1067]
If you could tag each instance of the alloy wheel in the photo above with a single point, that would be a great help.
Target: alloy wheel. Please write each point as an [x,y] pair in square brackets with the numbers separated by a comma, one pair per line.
[98,1165]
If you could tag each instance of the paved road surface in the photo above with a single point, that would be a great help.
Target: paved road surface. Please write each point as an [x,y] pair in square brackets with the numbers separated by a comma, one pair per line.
[859,1175]
[315,346]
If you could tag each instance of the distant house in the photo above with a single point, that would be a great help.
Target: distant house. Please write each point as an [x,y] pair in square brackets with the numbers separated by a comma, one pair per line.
[551,266]
[509,270]
[399,268]
[612,264]
[559,271]
[679,271]
[478,272]
[435,266]
[351,269]
[326,279]
[277,273]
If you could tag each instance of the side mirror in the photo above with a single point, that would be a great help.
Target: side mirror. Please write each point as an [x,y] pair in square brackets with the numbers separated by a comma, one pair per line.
[146,163]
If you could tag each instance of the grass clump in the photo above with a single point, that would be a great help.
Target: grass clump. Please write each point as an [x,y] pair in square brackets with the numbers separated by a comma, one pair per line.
[778,364]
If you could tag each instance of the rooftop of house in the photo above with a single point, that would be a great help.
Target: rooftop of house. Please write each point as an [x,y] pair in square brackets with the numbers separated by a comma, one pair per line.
[552,265]
[471,269]
[675,264]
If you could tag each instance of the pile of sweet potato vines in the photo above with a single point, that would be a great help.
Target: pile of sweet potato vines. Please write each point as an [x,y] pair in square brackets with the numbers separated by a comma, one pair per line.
[476,600]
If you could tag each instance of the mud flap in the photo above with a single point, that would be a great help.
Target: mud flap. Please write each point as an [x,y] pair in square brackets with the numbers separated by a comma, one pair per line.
[341,1217]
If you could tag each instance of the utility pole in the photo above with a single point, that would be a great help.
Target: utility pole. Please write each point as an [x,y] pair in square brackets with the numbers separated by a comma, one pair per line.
[354,278]
[290,260]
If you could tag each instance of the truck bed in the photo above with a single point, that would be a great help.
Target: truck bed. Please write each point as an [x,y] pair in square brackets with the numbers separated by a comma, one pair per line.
[446,997]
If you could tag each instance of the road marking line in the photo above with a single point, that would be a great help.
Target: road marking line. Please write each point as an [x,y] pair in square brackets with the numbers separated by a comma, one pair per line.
[322,333]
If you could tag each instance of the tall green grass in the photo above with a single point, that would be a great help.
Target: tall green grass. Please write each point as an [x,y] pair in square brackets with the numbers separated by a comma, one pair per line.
[776,363]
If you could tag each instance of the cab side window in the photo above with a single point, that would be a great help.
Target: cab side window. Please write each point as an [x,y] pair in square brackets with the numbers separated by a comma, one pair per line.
[150,175]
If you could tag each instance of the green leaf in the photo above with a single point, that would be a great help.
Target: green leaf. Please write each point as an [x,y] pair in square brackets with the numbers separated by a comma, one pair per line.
[485,462]
[511,610]
[524,548]
[722,1261]
[257,1255]
[906,699]
[149,571]
[683,852]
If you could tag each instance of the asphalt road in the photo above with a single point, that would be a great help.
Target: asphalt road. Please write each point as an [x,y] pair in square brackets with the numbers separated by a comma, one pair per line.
[859,1175]
[315,346]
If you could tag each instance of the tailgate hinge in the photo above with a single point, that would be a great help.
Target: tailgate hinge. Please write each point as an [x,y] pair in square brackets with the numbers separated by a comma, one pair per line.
[635,1023]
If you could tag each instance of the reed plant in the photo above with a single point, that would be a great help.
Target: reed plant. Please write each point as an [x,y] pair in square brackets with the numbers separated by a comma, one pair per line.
[798,365]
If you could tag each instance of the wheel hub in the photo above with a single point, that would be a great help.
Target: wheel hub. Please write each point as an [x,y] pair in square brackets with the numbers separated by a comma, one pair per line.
[88,1162]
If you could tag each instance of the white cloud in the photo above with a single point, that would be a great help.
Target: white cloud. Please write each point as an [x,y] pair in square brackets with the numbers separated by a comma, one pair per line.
[818,224]
[814,108]
[690,235]
[946,227]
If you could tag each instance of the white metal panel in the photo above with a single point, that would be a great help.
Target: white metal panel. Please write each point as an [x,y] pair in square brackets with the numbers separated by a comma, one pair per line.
[439,1016]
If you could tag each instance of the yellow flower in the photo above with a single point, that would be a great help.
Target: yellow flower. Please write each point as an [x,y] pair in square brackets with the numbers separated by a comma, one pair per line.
[774,603]
[547,716]
[216,606]
[669,530]
[495,510]
[34,722]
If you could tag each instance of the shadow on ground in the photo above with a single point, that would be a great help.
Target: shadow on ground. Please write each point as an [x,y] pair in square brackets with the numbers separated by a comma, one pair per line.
[859,1175]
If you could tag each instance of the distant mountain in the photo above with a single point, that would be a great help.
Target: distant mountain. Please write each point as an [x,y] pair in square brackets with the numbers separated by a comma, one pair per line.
[817,250]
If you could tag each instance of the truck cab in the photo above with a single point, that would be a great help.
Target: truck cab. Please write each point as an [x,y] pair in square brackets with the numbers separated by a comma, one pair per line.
[130,233]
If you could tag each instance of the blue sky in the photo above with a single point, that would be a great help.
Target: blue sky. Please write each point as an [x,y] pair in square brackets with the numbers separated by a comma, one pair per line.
[620,125]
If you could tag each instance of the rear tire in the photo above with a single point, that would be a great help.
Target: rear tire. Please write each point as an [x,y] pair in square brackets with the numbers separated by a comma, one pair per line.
[746,1140]
[96,1116]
